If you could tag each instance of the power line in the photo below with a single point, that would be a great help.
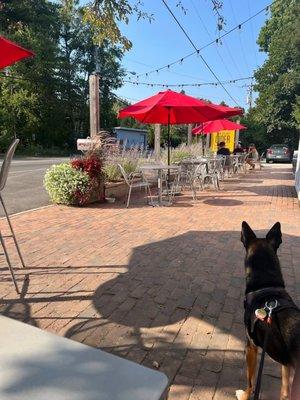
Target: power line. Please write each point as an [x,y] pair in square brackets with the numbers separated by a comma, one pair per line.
[215,41]
[252,32]
[151,66]
[202,58]
[210,36]
[232,58]
[239,36]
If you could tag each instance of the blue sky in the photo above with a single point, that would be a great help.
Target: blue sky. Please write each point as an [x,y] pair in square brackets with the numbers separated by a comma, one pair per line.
[162,42]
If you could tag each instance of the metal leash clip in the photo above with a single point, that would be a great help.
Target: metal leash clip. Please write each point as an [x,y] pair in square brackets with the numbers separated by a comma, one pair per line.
[270,306]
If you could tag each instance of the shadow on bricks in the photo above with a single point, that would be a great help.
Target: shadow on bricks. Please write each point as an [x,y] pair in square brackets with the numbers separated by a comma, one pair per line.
[179,308]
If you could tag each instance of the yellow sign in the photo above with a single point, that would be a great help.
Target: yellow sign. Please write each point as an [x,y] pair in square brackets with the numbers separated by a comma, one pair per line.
[222,136]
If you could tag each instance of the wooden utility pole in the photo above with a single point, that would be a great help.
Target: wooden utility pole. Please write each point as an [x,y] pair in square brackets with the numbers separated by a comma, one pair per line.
[94,105]
[207,143]
[237,134]
[189,137]
[157,141]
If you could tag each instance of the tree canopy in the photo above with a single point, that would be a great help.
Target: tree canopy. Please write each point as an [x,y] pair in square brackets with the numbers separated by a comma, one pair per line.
[278,80]
[44,100]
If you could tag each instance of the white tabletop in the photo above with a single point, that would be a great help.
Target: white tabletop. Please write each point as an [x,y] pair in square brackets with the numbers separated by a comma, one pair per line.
[158,166]
[37,365]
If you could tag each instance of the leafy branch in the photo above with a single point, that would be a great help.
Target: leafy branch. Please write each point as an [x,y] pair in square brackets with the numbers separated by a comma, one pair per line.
[104,17]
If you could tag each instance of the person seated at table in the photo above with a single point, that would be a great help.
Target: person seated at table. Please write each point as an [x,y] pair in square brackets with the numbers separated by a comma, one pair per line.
[223,151]
[252,156]
[238,149]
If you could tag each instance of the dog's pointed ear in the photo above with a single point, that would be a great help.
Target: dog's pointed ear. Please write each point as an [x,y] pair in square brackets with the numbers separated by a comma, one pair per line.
[247,234]
[274,236]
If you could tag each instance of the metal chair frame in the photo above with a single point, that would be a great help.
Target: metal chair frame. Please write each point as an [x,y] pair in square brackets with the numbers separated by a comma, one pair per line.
[3,178]
[131,185]
[187,176]
[214,166]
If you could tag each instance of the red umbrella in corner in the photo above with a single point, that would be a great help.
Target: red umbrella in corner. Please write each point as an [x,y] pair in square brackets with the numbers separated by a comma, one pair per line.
[11,52]
[217,126]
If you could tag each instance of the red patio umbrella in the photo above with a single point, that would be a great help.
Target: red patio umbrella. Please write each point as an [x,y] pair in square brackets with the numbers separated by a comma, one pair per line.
[230,111]
[216,126]
[173,108]
[11,52]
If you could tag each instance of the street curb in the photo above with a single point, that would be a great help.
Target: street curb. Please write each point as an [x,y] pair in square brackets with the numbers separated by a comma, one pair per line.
[26,211]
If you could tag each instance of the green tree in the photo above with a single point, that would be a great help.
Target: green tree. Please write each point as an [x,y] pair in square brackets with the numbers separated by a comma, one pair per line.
[255,133]
[278,80]
[33,24]
[105,17]
[48,94]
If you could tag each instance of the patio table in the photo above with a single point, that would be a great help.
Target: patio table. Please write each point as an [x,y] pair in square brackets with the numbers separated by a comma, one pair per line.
[39,365]
[196,161]
[159,168]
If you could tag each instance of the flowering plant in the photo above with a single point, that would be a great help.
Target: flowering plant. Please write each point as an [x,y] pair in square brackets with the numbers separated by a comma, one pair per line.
[66,185]
[91,165]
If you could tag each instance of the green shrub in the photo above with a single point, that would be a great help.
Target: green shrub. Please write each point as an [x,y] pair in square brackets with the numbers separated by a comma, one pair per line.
[130,165]
[177,155]
[112,172]
[66,185]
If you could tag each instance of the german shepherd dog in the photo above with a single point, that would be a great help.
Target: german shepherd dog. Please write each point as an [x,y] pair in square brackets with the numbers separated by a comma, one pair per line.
[264,283]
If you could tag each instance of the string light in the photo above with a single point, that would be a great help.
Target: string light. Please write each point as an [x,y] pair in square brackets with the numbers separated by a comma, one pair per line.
[155,84]
[214,41]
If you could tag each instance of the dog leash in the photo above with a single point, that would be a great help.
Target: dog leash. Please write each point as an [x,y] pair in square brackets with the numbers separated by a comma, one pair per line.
[270,306]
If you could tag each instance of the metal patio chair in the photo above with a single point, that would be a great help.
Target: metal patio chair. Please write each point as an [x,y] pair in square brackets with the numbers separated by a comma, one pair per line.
[212,174]
[3,178]
[129,179]
[187,175]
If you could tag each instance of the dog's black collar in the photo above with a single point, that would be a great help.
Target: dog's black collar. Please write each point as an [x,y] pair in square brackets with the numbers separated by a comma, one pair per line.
[250,296]
[256,299]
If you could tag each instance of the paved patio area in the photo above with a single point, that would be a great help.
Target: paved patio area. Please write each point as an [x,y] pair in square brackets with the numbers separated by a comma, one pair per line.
[160,286]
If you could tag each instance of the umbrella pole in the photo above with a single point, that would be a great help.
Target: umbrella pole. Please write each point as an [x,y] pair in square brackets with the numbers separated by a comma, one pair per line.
[169,150]
[169,139]
[202,137]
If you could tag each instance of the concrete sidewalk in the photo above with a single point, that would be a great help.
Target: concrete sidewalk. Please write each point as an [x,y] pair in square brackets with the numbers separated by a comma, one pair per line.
[160,286]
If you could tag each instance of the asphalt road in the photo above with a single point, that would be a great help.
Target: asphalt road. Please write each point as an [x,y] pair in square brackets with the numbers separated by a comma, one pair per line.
[24,188]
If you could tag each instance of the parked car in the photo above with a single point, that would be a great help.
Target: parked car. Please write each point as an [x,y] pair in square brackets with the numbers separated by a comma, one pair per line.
[279,152]
[294,160]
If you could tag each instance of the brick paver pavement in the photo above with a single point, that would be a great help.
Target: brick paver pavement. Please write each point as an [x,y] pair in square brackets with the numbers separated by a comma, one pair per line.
[160,286]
